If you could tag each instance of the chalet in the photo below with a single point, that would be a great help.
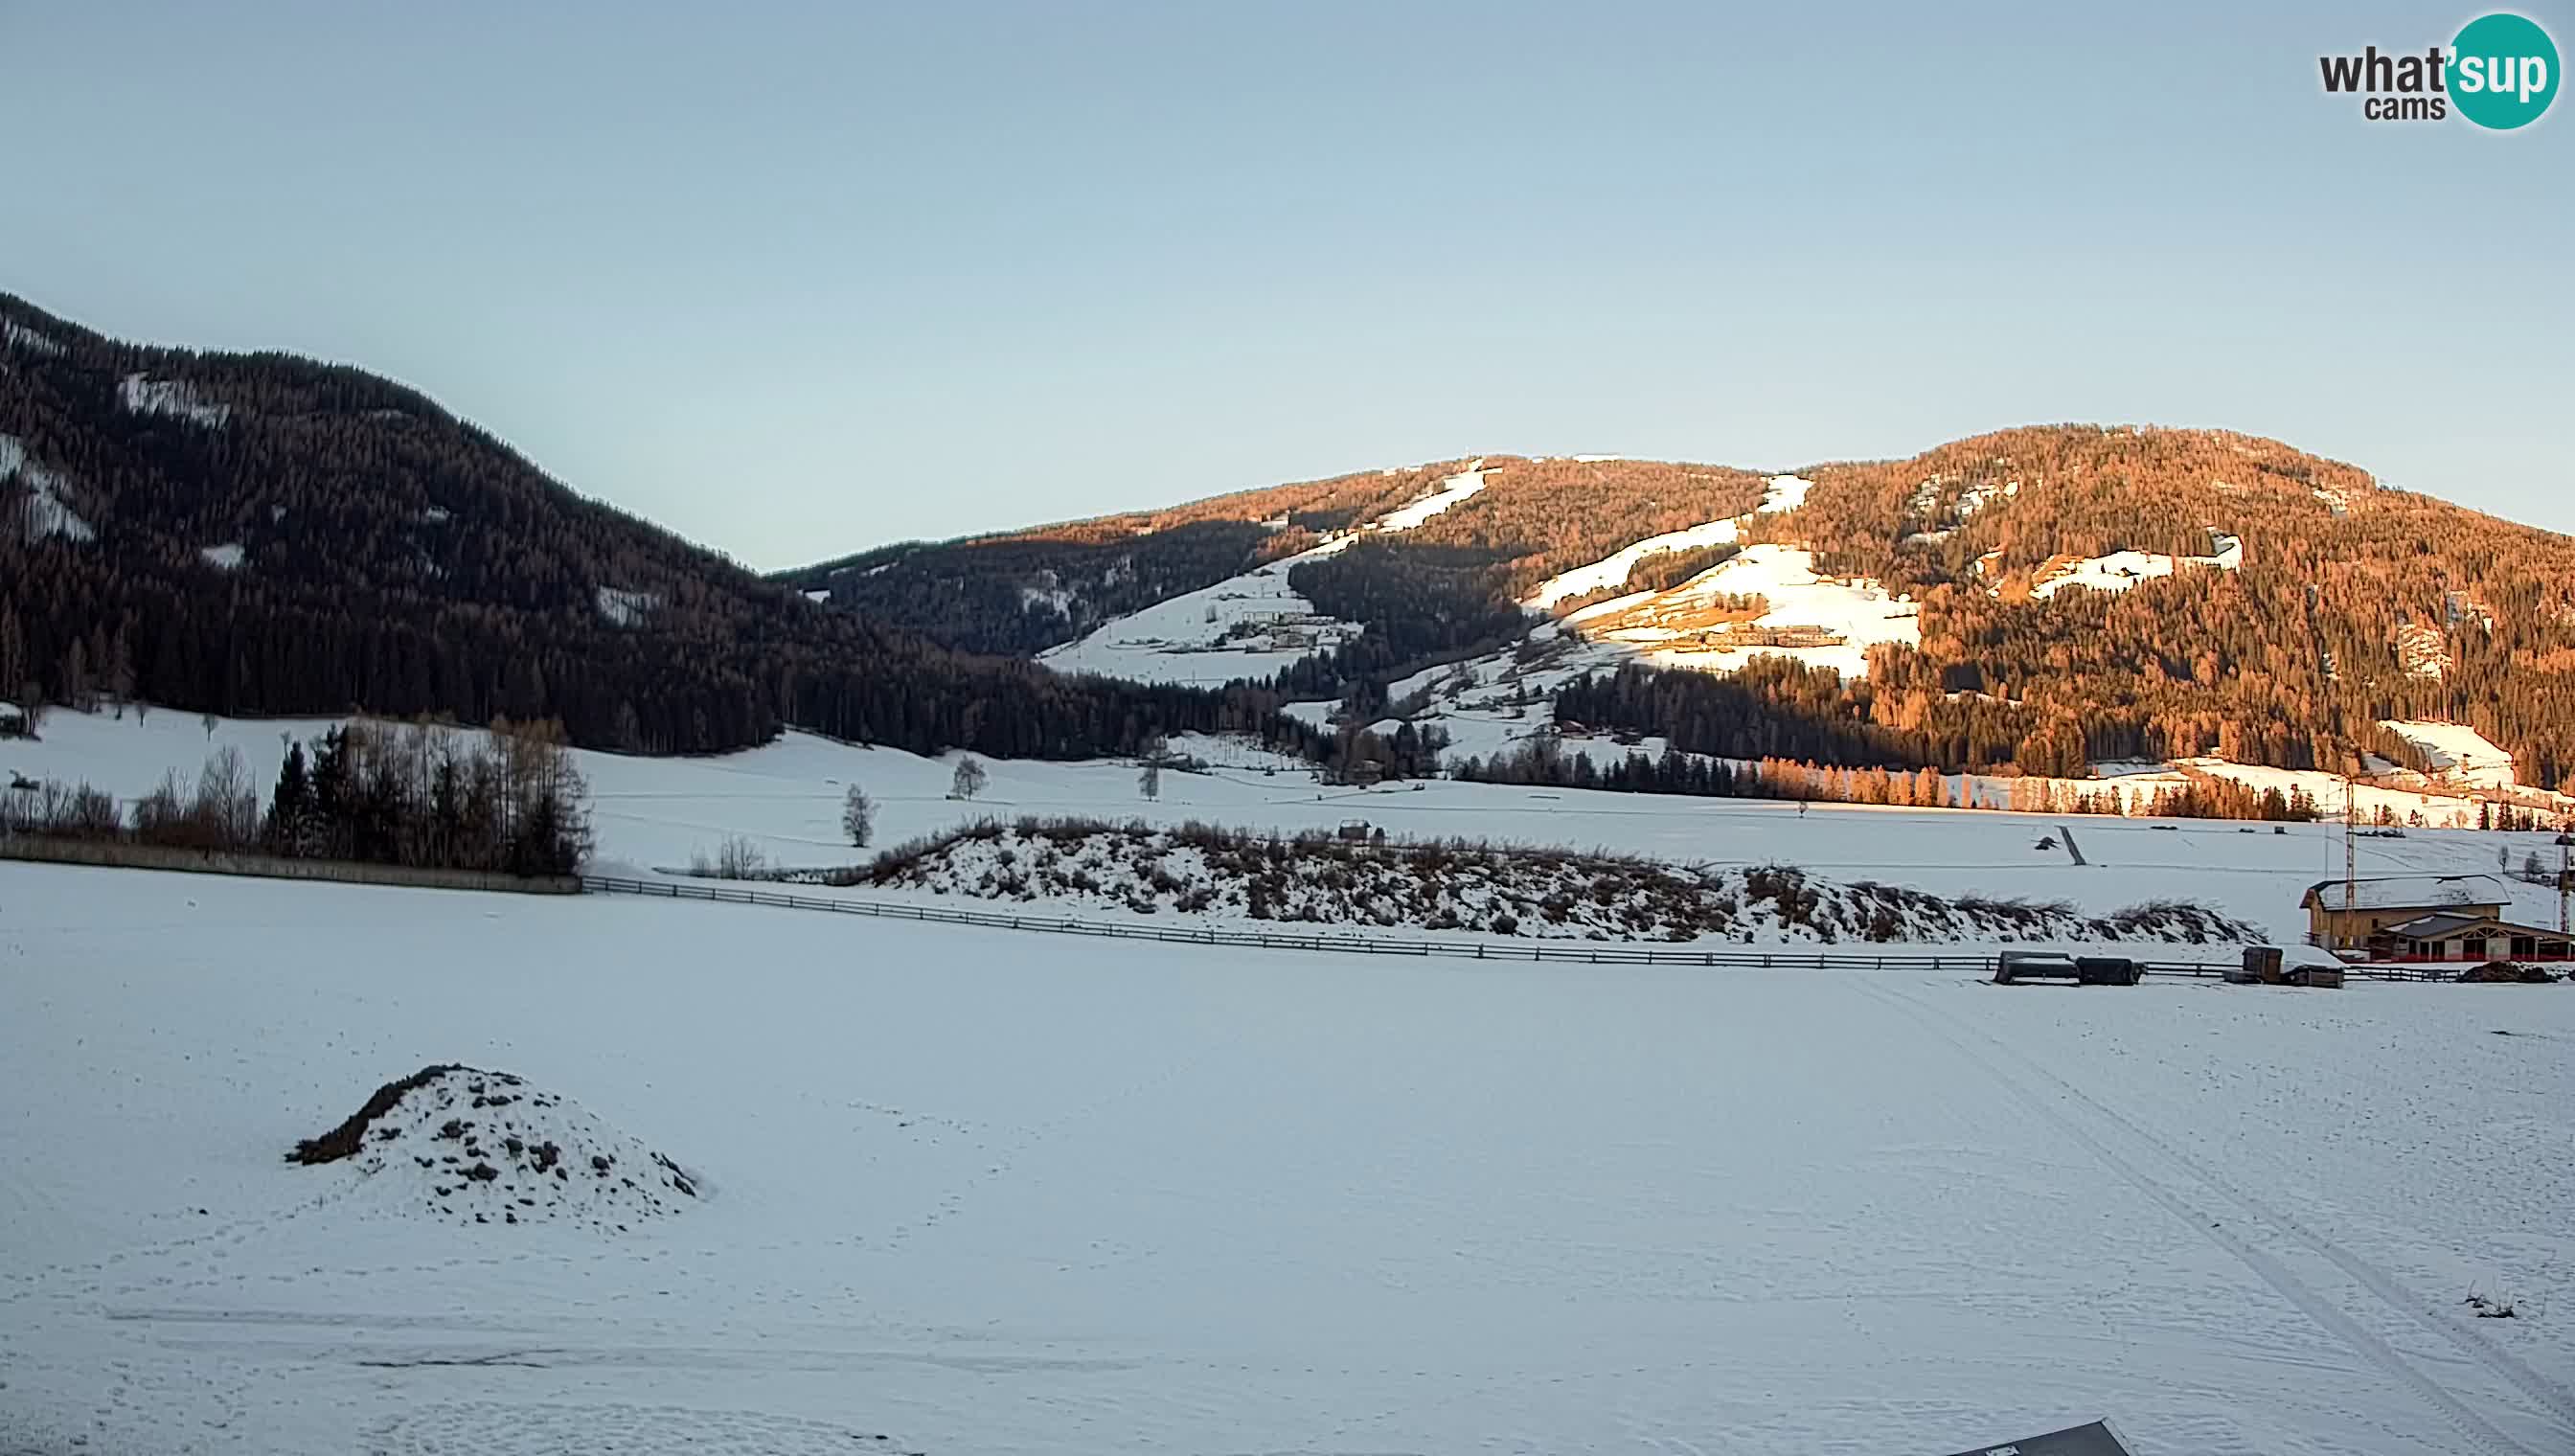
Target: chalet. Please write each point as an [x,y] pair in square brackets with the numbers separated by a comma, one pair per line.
[2423,918]
[2443,935]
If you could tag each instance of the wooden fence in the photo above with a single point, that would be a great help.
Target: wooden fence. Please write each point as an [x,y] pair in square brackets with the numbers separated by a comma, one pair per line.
[1580,953]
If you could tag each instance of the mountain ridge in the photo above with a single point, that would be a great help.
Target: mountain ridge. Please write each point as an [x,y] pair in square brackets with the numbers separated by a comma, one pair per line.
[265,533]
[2087,593]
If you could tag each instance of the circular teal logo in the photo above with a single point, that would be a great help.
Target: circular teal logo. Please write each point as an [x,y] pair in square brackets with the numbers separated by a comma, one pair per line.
[2503,71]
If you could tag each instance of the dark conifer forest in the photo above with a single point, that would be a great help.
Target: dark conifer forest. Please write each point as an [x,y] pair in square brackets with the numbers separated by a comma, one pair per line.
[253,534]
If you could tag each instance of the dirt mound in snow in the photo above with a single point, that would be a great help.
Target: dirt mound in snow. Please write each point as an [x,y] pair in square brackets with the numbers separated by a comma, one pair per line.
[472,1146]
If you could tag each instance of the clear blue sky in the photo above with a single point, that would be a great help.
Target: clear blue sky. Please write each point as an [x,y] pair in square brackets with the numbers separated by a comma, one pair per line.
[798,279]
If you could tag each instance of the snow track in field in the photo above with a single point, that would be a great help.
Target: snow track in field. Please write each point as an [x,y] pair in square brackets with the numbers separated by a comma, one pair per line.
[2185,1190]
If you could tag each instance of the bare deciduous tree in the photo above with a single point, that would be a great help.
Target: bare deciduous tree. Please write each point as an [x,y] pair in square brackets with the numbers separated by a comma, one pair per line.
[969,779]
[858,816]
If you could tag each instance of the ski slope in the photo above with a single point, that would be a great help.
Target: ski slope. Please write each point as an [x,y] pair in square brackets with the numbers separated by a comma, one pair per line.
[1781,493]
[1250,626]
[1848,616]
[2459,753]
[971,1191]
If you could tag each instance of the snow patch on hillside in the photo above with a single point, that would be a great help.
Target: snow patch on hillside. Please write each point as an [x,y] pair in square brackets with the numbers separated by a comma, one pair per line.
[2422,651]
[625,609]
[1251,626]
[1454,491]
[224,558]
[2457,753]
[45,513]
[1821,621]
[1787,493]
[2121,570]
[1976,498]
[15,334]
[1613,570]
[458,1145]
[176,398]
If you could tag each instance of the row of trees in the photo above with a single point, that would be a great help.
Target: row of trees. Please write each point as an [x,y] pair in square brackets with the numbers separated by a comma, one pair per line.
[509,799]
[1543,759]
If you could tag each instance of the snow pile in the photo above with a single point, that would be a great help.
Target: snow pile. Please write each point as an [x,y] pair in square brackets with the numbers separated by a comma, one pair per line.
[224,558]
[468,1146]
[2457,753]
[1319,879]
[2121,570]
[625,609]
[170,397]
[46,514]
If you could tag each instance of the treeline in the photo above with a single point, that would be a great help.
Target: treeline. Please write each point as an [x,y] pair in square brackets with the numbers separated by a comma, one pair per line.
[1774,707]
[508,801]
[1544,759]
[1419,605]
[266,534]
[1021,595]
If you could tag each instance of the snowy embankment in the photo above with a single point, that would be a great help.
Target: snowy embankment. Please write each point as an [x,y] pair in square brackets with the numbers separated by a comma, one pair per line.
[1316,879]
[995,1193]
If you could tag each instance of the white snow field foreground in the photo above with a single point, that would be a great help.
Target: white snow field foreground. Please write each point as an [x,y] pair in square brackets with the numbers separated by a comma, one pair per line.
[977,1192]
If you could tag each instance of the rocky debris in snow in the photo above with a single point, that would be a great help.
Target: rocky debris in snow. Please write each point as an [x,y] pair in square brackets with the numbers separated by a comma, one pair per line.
[2505,973]
[464,1145]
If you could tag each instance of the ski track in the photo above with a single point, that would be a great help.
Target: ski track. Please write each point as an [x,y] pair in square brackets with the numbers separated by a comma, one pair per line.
[2178,1201]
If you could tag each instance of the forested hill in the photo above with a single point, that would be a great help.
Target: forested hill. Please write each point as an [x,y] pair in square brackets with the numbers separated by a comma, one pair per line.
[264,534]
[2086,593]
[2341,603]
[1025,591]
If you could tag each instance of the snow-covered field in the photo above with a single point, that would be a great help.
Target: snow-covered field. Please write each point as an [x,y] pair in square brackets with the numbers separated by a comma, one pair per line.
[971,1192]
[786,798]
